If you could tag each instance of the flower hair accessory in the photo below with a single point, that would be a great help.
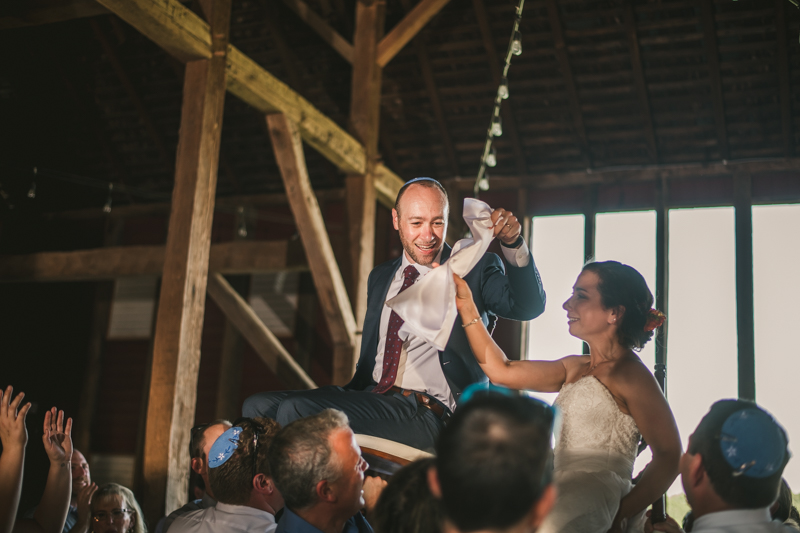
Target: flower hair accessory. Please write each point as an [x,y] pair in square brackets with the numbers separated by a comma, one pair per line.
[654,319]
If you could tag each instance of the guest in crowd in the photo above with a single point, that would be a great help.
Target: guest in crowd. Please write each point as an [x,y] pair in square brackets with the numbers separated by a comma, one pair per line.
[407,505]
[202,437]
[405,389]
[318,468]
[493,466]
[240,479]
[731,471]
[115,510]
[13,437]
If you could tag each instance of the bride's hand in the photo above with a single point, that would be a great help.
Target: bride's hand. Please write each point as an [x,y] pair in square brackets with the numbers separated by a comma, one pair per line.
[463,294]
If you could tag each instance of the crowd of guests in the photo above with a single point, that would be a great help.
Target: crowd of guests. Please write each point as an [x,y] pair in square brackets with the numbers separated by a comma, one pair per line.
[492,472]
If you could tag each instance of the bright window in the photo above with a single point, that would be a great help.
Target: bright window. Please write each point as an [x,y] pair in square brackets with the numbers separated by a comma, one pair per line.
[776,257]
[557,246]
[701,344]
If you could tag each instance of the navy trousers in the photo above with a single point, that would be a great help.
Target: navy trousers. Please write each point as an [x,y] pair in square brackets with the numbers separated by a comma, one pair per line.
[389,416]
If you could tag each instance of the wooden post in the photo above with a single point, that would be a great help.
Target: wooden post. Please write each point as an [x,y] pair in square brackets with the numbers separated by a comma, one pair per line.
[288,148]
[744,286]
[662,275]
[365,107]
[176,352]
[229,382]
[589,230]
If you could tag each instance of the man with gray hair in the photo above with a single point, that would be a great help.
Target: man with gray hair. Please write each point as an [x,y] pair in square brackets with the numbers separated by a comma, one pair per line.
[317,465]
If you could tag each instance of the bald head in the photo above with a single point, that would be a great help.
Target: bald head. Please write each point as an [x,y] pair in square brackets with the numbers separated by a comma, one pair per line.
[80,472]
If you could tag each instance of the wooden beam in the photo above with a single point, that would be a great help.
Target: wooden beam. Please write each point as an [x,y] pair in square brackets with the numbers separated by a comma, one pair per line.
[58,12]
[133,94]
[229,381]
[562,55]
[263,341]
[407,28]
[714,76]
[745,328]
[639,81]
[288,148]
[784,79]
[387,185]
[181,308]
[322,28]
[633,174]
[365,110]
[507,110]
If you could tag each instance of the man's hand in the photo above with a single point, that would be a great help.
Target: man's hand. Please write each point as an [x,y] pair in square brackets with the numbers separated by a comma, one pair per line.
[668,526]
[373,486]
[84,503]
[13,433]
[57,437]
[506,226]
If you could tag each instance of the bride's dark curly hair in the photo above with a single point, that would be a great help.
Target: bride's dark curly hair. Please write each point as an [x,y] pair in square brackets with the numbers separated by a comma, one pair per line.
[623,286]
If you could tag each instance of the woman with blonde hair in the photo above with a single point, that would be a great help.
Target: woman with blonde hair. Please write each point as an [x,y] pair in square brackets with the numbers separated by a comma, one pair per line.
[115,510]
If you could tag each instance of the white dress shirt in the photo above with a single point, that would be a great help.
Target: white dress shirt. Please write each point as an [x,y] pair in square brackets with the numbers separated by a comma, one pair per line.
[419,368]
[225,518]
[740,521]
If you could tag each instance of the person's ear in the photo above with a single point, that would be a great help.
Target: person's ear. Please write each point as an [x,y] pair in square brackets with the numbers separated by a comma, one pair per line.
[263,484]
[616,315]
[433,483]
[325,492]
[197,465]
[696,470]
[542,506]
[395,219]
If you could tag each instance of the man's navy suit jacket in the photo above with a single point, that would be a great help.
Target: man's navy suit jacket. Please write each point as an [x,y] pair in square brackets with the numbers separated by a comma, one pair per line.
[516,294]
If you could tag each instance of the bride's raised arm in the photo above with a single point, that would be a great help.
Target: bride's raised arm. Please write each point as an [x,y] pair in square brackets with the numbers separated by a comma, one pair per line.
[542,376]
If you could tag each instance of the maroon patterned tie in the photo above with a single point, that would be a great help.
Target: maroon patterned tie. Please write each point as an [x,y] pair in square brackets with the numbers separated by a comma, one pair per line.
[393,347]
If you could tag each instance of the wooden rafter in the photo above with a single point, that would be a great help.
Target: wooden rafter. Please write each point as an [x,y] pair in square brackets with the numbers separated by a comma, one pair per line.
[263,341]
[406,29]
[433,95]
[288,147]
[562,55]
[714,76]
[186,36]
[118,261]
[509,118]
[782,59]
[639,81]
[322,28]
[122,75]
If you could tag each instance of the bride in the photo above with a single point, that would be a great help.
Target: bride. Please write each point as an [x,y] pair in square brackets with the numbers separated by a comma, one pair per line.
[607,399]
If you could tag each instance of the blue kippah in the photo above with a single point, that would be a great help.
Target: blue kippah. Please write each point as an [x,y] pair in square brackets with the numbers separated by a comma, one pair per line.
[753,443]
[223,447]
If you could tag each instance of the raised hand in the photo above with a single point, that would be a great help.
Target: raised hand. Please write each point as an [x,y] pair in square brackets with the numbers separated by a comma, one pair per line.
[84,503]
[57,437]
[463,294]
[12,419]
[373,487]
[506,226]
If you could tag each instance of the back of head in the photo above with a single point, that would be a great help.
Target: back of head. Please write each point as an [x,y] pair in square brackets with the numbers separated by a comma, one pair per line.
[406,505]
[111,490]
[623,286]
[744,451]
[301,456]
[237,456]
[494,460]
[197,439]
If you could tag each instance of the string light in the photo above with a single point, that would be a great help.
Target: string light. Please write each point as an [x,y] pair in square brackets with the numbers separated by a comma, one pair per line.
[242,231]
[489,156]
[107,207]
[32,190]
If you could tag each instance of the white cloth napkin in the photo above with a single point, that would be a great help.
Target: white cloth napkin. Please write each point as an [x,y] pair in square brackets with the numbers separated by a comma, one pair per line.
[429,306]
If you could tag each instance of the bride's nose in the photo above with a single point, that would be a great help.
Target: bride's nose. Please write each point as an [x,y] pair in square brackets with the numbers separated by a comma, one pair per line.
[565,305]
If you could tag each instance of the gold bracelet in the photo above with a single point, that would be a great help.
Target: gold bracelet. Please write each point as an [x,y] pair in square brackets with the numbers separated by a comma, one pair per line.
[473,322]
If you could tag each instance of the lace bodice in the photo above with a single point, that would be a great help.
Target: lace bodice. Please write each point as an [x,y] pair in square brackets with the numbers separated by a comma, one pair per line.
[593,425]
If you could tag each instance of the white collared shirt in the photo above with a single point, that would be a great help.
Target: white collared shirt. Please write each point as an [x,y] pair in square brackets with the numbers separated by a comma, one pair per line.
[225,518]
[419,368]
[739,521]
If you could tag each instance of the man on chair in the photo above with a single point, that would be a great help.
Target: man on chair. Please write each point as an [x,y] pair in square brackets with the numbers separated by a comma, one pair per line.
[404,390]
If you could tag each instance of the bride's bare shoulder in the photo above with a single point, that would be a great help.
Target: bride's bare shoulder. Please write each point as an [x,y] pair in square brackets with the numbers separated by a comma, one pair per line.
[575,365]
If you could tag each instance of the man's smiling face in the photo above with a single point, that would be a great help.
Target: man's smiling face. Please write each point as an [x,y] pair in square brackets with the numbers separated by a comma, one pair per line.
[421,220]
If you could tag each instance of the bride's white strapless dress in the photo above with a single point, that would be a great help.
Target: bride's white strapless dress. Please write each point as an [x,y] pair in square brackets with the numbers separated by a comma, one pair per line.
[593,460]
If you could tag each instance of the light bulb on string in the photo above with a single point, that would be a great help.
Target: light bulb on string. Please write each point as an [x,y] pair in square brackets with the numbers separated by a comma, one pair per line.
[491,158]
[242,231]
[107,207]
[483,184]
[497,126]
[502,91]
[516,44]
[32,190]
